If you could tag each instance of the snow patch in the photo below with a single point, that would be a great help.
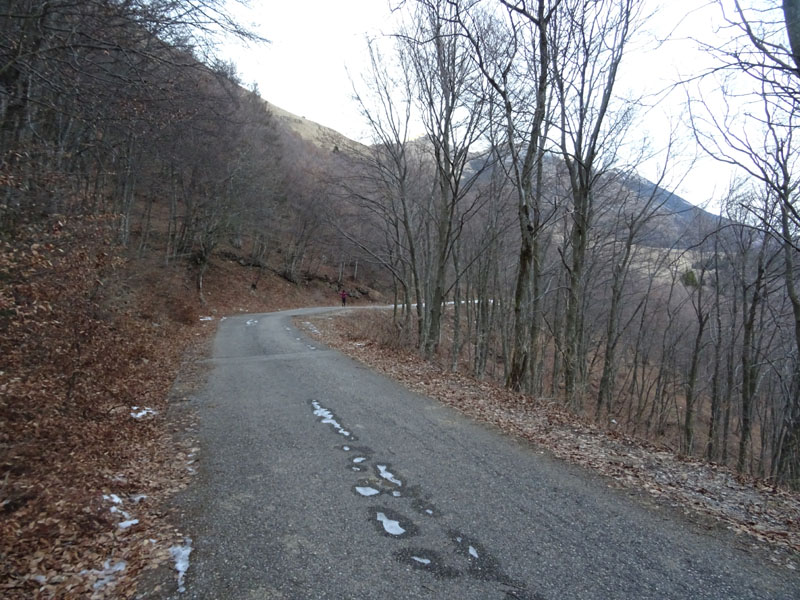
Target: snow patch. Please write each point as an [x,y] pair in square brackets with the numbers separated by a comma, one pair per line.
[310,326]
[206,318]
[124,514]
[106,576]
[128,523]
[424,561]
[251,322]
[327,418]
[180,554]
[367,491]
[391,526]
[382,470]
[139,412]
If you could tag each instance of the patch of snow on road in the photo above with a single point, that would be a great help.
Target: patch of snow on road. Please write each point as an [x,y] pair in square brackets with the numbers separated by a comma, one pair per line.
[391,526]
[424,561]
[180,554]
[138,412]
[473,552]
[382,470]
[328,418]
[359,459]
[251,322]
[367,491]
[310,326]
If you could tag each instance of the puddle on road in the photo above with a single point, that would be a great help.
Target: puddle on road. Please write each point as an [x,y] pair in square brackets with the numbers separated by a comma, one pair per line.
[424,507]
[469,554]
[362,454]
[482,565]
[427,560]
[383,471]
[391,523]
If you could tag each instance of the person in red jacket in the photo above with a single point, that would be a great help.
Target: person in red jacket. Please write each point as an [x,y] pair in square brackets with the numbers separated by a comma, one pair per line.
[343,295]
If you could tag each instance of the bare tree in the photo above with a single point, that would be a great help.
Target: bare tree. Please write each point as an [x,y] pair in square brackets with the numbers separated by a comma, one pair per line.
[585,72]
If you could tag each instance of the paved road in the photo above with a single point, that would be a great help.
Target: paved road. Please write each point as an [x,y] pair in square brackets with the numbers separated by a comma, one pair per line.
[321,479]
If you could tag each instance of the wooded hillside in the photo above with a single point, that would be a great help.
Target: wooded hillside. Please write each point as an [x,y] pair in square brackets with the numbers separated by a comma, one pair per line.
[515,236]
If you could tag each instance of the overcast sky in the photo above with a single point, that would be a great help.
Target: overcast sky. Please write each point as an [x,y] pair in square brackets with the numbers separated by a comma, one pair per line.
[315,43]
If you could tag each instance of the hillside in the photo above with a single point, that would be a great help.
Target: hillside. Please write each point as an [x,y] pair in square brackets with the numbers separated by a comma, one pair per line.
[319,135]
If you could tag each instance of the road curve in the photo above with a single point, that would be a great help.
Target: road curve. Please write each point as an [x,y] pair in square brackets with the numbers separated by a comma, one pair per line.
[321,479]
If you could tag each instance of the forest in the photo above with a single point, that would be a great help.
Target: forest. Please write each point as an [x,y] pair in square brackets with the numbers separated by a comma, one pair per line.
[515,235]
[524,246]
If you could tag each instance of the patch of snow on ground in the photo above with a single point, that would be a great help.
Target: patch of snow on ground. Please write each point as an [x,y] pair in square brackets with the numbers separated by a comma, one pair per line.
[206,318]
[251,322]
[388,476]
[311,328]
[138,412]
[390,525]
[128,523]
[124,514]
[327,418]
[180,554]
[112,498]
[106,576]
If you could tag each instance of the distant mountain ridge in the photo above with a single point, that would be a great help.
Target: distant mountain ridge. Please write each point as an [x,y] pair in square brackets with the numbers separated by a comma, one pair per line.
[677,223]
[310,131]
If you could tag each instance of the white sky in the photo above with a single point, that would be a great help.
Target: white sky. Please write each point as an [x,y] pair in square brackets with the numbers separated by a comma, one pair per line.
[315,42]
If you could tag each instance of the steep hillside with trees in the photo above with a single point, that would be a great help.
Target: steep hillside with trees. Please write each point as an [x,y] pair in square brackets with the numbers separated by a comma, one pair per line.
[572,278]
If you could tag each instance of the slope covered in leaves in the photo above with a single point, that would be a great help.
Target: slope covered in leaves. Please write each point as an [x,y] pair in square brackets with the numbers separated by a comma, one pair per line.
[90,345]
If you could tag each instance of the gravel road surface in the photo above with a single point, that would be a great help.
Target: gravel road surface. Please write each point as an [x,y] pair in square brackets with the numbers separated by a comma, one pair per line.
[318,478]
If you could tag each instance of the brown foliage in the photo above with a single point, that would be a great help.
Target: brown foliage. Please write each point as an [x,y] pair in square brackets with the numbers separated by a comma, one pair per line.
[75,359]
